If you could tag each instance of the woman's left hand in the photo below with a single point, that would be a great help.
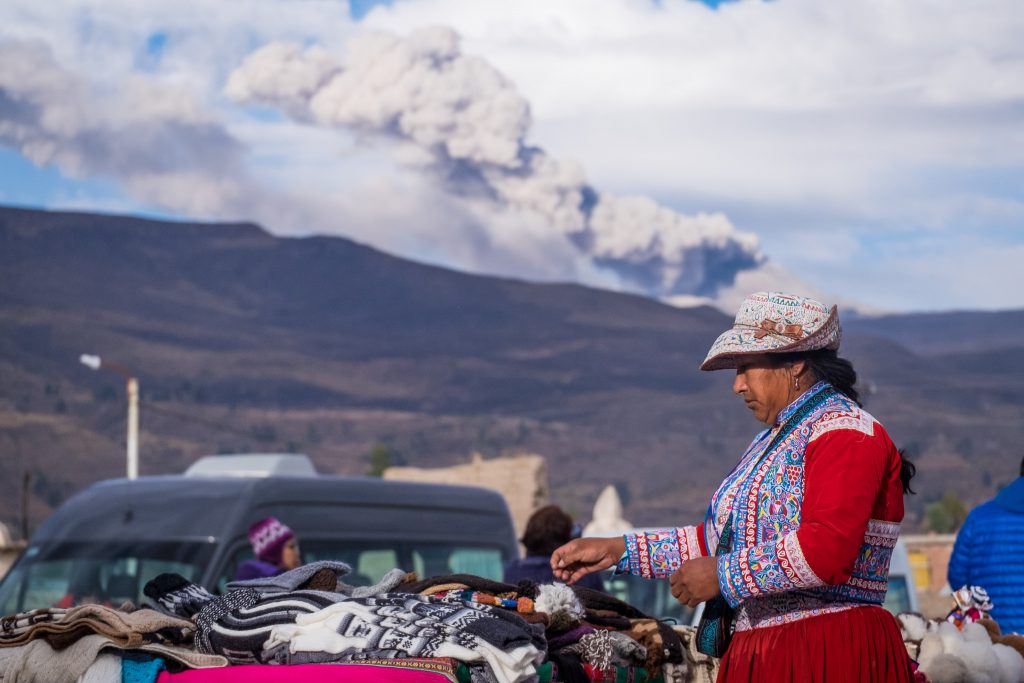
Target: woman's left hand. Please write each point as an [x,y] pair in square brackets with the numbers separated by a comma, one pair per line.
[696,581]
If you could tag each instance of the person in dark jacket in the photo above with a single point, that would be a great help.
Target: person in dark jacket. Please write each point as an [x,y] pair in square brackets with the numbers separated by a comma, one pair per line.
[989,552]
[276,549]
[548,528]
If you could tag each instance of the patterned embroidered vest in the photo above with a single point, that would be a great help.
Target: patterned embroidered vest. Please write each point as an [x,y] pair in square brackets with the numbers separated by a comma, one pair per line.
[764,492]
[766,575]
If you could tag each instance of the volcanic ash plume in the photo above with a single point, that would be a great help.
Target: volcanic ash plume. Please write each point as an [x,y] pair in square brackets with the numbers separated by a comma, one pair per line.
[459,118]
[156,140]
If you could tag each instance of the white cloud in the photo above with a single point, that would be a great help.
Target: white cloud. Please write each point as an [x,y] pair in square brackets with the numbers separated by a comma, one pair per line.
[156,140]
[846,111]
[453,116]
[470,127]
[794,56]
[789,99]
[961,274]
[202,41]
[825,128]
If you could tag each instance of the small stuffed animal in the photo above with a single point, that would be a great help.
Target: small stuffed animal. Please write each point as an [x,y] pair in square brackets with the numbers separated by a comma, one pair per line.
[563,608]
[972,604]
[974,652]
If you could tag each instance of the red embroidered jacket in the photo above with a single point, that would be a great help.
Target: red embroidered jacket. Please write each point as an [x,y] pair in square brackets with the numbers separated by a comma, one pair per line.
[815,517]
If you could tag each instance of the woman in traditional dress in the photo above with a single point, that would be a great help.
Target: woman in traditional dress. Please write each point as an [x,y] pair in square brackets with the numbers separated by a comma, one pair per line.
[798,536]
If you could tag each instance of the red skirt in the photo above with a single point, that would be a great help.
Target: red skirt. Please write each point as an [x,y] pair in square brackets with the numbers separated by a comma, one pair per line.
[859,645]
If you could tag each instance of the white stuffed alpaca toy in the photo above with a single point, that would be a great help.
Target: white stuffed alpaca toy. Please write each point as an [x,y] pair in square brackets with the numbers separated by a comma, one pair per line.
[948,655]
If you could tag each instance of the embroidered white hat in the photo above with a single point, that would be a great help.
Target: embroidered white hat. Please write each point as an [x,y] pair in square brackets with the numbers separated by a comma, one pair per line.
[773,322]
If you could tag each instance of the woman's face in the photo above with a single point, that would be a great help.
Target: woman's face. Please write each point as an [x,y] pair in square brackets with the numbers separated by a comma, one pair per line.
[766,389]
[290,558]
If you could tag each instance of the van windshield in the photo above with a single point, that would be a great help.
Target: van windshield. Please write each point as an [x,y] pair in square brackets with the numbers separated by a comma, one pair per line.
[370,560]
[67,574]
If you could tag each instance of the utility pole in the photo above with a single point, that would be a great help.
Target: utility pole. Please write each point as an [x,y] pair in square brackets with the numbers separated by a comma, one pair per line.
[132,390]
[26,479]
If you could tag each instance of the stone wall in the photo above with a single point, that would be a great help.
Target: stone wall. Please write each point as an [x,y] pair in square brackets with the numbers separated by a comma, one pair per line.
[522,480]
[9,550]
[929,558]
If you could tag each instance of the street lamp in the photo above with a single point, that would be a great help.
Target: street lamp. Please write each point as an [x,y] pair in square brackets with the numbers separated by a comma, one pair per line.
[132,385]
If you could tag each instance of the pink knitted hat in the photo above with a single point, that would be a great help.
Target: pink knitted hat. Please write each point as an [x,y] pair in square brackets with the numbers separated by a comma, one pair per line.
[268,537]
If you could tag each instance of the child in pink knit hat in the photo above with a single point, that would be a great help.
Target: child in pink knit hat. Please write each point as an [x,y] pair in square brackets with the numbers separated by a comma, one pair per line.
[276,549]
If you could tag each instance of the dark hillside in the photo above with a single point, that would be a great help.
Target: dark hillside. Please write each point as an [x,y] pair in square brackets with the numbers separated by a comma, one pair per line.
[245,341]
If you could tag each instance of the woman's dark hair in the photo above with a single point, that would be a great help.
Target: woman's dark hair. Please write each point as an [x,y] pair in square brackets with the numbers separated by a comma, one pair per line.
[907,471]
[826,365]
[547,529]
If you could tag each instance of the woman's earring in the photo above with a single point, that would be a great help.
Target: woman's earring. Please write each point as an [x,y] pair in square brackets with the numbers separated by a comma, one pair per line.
[796,383]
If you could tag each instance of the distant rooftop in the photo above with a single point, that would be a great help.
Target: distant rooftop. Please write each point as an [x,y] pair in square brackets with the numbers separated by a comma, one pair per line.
[253,465]
[5,536]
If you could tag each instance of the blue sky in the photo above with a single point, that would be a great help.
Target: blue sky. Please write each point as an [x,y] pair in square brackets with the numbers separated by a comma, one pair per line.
[866,152]
[26,184]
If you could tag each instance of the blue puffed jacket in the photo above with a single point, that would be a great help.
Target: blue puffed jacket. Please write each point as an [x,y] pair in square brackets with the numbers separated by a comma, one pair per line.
[989,552]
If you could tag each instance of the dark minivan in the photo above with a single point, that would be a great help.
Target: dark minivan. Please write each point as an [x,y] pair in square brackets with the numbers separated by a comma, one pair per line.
[103,544]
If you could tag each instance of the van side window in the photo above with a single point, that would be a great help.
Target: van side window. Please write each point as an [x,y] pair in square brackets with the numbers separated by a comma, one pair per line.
[76,573]
[372,565]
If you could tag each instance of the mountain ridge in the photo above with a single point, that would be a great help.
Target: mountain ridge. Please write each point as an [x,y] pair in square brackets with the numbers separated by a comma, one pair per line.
[327,346]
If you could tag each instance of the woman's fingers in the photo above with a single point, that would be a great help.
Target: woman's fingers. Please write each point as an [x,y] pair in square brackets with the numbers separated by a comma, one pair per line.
[680,588]
[581,556]
[675,580]
[563,558]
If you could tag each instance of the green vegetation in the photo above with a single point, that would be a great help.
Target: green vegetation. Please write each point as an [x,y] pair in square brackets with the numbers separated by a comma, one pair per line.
[945,515]
[381,457]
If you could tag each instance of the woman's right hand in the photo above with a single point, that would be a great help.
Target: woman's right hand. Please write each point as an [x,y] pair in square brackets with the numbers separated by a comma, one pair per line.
[582,556]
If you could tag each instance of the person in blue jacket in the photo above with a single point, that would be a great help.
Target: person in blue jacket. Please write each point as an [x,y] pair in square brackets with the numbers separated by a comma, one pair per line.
[989,552]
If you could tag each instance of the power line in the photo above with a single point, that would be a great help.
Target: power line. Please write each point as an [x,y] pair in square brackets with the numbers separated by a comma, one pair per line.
[201,420]
[106,422]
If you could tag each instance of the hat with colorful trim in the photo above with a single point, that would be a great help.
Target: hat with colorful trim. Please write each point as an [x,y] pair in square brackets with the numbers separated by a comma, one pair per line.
[773,322]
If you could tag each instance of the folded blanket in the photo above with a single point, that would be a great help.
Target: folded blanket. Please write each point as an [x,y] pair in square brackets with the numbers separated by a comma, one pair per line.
[106,668]
[595,599]
[62,627]
[307,576]
[526,589]
[406,625]
[608,649]
[662,642]
[237,624]
[14,628]
[38,662]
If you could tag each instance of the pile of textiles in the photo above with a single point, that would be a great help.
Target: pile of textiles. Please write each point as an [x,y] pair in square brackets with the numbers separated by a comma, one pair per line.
[310,625]
[95,644]
[588,635]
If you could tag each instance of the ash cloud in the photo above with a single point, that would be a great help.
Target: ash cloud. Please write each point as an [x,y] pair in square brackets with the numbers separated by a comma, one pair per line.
[460,120]
[154,139]
[167,150]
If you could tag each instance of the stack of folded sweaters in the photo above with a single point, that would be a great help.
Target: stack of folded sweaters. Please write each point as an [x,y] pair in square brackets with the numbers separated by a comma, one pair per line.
[308,624]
